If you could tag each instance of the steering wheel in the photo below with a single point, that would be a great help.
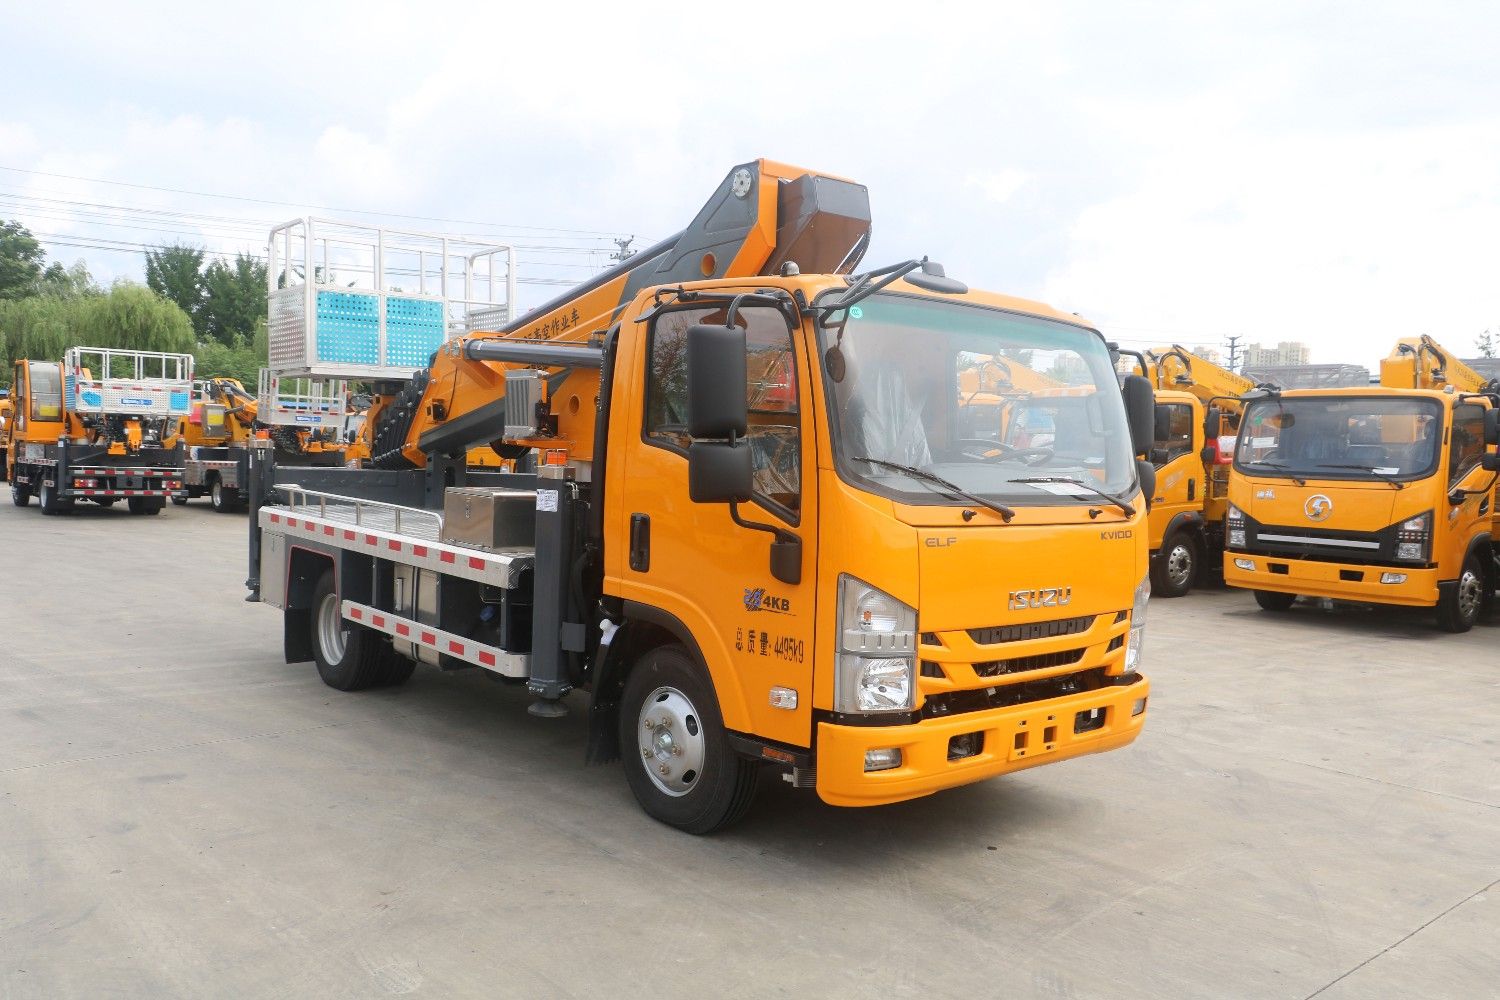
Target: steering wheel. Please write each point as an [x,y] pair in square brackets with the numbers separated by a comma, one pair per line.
[1027,456]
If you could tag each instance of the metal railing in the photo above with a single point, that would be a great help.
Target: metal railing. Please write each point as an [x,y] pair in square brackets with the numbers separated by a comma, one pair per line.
[301,499]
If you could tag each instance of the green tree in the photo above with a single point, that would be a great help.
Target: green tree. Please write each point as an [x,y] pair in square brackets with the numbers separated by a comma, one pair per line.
[243,358]
[1485,343]
[21,259]
[134,318]
[234,299]
[67,282]
[176,273]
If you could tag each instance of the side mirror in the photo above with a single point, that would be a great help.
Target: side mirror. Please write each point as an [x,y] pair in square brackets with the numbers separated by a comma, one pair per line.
[719,472]
[1492,426]
[1213,419]
[1140,412]
[1209,456]
[1490,462]
[716,382]
[1162,428]
[1146,472]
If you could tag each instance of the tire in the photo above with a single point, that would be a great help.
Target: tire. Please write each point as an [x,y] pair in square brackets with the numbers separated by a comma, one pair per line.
[105,501]
[148,506]
[1177,565]
[349,657]
[666,686]
[179,501]
[19,495]
[47,498]
[1271,600]
[1460,605]
[223,499]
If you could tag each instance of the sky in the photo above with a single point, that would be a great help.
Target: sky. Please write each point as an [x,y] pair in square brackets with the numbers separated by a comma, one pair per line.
[1173,172]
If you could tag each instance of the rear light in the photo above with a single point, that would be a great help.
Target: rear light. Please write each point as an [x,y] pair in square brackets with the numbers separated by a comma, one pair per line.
[86,484]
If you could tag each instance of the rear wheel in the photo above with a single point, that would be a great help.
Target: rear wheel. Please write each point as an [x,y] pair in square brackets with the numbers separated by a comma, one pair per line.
[19,495]
[350,657]
[1459,606]
[47,498]
[1175,569]
[149,506]
[1271,600]
[677,756]
[223,498]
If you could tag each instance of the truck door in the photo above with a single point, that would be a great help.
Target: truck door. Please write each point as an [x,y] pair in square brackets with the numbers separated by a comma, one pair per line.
[1179,470]
[691,560]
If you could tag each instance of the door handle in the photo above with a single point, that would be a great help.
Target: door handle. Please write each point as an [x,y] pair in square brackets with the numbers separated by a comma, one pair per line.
[1192,488]
[640,542]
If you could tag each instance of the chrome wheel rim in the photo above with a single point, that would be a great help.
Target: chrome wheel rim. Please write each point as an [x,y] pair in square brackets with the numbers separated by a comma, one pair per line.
[332,634]
[1470,595]
[670,737]
[218,496]
[1180,565]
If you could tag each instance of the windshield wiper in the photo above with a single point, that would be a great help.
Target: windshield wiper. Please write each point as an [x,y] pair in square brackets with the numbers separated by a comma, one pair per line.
[931,479]
[1272,464]
[1382,476]
[1127,508]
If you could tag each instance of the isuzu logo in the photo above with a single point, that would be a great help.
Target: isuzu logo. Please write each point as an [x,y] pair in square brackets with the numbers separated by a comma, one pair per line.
[1044,597]
[1318,507]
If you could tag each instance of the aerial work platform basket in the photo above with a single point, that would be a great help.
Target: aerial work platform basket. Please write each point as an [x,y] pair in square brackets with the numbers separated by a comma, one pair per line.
[351,301]
[301,401]
[105,381]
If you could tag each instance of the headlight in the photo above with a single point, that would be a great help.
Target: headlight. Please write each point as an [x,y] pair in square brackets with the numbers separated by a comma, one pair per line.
[1137,625]
[1413,538]
[1234,515]
[876,666]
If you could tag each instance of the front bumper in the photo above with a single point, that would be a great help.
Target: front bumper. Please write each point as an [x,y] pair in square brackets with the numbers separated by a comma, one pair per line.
[1333,580]
[1015,738]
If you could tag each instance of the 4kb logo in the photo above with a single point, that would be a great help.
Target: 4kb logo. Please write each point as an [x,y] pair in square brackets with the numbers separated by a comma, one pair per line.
[756,599]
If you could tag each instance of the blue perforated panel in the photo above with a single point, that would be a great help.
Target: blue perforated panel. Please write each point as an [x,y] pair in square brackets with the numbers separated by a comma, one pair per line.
[348,328]
[413,330]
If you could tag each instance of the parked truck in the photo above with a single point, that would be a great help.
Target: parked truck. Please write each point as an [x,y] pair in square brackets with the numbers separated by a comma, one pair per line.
[758,536]
[92,427]
[224,424]
[1197,418]
[1383,494]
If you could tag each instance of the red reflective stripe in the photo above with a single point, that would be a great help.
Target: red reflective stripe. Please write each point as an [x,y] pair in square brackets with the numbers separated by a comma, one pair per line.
[310,526]
[476,563]
[488,659]
[356,613]
[419,550]
[371,540]
[378,621]
[429,638]
[328,529]
[349,536]
[455,647]
[275,518]
[393,545]
[291,522]
[403,629]
[446,557]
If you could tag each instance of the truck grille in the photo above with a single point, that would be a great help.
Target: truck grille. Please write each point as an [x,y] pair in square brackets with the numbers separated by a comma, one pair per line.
[1031,630]
[1018,664]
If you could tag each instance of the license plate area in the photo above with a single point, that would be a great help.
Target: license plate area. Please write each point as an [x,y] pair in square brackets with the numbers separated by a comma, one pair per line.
[1035,736]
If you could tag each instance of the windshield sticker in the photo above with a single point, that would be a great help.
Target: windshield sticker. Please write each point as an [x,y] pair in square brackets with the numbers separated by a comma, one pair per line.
[1387,471]
[1059,489]
[855,312]
[1262,442]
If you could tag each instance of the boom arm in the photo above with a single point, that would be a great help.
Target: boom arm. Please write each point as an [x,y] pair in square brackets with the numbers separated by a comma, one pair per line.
[1178,368]
[1423,363]
[763,216]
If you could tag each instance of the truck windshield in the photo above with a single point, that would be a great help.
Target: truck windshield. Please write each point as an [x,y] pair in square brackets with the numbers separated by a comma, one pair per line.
[981,397]
[1340,437]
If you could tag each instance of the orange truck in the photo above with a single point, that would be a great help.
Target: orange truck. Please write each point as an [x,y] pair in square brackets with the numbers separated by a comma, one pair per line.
[764,535]
[92,428]
[1379,494]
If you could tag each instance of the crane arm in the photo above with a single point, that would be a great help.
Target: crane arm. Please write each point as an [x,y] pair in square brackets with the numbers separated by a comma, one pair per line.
[1423,363]
[762,216]
[1176,367]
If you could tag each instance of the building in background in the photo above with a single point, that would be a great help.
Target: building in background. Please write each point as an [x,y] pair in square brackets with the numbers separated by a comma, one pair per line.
[1288,352]
[1207,353]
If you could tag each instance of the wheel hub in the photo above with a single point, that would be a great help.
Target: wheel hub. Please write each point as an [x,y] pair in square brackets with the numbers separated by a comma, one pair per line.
[670,737]
[1179,564]
[332,633]
[1469,595]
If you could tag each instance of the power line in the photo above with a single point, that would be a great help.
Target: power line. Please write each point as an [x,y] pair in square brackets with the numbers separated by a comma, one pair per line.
[321,208]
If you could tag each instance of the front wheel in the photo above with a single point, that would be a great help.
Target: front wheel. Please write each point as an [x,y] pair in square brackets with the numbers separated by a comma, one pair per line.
[1459,606]
[1271,600]
[678,760]
[1175,569]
